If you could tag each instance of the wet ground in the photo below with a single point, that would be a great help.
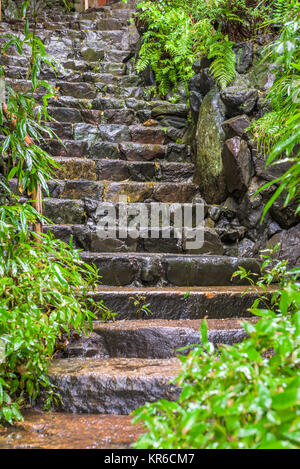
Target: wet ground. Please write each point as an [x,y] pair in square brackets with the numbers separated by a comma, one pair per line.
[53,430]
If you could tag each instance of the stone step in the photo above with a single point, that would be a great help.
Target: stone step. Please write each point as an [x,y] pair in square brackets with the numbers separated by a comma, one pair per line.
[140,269]
[151,338]
[71,77]
[137,134]
[67,108]
[105,148]
[113,385]
[119,170]
[69,217]
[60,430]
[180,303]
[135,191]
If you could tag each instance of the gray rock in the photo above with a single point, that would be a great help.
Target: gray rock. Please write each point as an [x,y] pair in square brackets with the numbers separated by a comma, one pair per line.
[289,246]
[84,131]
[269,173]
[195,104]
[285,216]
[199,64]
[247,248]
[237,163]
[211,270]
[194,83]
[244,56]
[114,133]
[206,81]
[179,110]
[239,100]
[114,385]
[236,126]
[11,11]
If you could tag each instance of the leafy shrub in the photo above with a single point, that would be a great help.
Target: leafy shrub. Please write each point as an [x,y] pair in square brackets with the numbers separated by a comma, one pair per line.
[44,286]
[244,396]
[44,292]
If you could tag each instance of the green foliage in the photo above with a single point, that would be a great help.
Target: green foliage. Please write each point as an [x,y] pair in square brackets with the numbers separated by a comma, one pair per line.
[44,286]
[178,32]
[244,396]
[278,132]
[223,66]
[29,164]
[167,44]
[44,292]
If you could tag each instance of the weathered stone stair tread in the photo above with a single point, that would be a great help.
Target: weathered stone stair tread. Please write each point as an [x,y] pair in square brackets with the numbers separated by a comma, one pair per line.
[155,338]
[107,149]
[86,236]
[119,170]
[125,326]
[157,269]
[214,302]
[113,385]
[57,430]
[152,338]
[179,192]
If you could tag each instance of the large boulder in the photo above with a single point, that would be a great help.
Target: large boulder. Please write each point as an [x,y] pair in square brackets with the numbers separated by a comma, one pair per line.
[209,173]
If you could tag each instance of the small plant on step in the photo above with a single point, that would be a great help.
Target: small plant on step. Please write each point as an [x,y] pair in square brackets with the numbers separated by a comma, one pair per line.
[141,307]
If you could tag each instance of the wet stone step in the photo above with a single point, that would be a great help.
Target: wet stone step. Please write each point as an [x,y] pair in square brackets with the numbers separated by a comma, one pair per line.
[169,269]
[179,303]
[60,430]
[114,385]
[150,338]
[92,238]
[119,170]
[107,149]
[104,100]
[134,191]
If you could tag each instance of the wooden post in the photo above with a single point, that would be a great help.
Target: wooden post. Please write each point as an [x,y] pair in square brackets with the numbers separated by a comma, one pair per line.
[0,11]
[86,4]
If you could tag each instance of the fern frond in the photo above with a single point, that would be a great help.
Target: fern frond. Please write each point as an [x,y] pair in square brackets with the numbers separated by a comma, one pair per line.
[223,65]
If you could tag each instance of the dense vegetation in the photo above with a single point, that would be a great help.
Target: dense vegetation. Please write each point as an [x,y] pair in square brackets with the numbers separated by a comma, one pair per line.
[43,282]
[246,396]
[178,32]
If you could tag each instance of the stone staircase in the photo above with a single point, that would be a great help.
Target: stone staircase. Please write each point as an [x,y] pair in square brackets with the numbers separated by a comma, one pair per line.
[118,140]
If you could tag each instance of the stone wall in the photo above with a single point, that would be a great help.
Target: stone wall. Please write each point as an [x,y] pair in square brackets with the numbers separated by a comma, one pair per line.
[229,166]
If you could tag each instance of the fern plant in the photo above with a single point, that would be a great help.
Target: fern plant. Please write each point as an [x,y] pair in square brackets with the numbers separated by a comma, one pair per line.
[278,132]
[168,45]
[178,32]
[223,65]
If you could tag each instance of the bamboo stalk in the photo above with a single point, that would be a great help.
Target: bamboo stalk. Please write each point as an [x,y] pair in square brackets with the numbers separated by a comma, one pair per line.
[37,205]
[36,193]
